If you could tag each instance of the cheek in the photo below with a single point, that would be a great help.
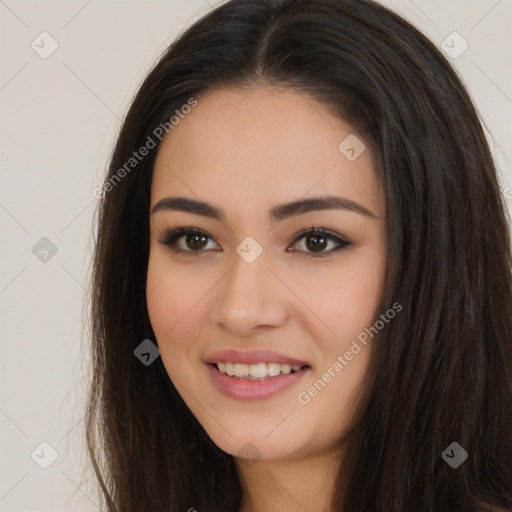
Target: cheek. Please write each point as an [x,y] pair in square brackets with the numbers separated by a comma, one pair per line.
[176,306]
[359,296]
[349,305]
[170,294]
[345,299]
[169,300]
[160,300]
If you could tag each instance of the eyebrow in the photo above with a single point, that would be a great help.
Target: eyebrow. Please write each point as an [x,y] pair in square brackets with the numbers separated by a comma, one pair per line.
[277,213]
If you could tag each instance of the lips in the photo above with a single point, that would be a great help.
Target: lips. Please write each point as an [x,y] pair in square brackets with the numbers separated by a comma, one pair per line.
[250,387]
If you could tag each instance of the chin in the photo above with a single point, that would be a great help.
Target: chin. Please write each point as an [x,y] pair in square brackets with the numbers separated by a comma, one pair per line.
[252,441]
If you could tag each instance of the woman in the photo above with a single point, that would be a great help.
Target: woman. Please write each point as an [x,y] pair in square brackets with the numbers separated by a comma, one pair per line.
[302,213]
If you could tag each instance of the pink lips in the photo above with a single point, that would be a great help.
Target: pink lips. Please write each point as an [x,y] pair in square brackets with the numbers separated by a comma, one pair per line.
[246,389]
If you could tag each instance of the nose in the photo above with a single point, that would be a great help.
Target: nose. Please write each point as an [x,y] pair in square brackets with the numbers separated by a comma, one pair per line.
[250,298]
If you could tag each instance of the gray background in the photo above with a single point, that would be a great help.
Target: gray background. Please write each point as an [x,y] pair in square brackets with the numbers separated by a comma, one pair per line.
[59,118]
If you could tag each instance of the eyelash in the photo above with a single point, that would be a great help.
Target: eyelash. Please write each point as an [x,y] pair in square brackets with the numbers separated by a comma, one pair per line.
[170,238]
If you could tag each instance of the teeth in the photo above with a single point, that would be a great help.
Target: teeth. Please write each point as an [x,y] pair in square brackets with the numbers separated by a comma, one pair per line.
[273,369]
[256,371]
[241,370]
[230,369]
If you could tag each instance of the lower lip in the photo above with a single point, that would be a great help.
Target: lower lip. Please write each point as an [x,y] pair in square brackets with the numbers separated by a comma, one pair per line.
[245,389]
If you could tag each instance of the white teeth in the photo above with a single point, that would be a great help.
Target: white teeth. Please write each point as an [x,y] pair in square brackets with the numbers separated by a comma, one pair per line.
[230,369]
[286,368]
[273,369]
[256,371]
[241,370]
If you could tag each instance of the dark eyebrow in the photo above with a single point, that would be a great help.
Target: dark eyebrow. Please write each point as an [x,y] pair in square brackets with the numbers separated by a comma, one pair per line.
[277,213]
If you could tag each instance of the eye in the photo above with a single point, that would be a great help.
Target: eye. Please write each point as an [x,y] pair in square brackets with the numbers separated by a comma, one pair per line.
[194,240]
[316,239]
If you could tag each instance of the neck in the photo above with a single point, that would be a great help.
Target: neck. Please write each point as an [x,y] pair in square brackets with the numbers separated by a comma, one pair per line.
[288,485]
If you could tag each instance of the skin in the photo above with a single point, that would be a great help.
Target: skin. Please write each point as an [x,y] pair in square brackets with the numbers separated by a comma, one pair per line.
[246,152]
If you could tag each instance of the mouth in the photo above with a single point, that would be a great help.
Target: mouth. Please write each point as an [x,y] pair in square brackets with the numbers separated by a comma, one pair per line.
[254,382]
[258,371]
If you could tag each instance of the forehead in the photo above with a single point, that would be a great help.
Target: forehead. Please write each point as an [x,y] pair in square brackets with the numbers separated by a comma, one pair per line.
[250,149]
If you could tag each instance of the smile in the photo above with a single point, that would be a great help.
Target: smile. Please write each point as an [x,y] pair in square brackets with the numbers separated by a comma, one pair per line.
[257,371]
[247,387]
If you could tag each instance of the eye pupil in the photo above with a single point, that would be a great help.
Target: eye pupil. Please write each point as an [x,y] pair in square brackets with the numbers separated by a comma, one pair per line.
[192,240]
[316,246]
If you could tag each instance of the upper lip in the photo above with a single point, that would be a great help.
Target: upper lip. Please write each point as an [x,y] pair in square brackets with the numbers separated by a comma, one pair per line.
[252,357]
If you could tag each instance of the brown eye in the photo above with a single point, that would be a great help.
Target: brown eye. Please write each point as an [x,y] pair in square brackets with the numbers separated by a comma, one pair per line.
[315,241]
[195,242]
[187,240]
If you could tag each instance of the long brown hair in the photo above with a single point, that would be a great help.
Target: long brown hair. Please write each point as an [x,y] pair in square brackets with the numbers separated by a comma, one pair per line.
[442,369]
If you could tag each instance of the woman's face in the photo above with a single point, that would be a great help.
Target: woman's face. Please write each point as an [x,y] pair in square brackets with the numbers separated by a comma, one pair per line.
[248,288]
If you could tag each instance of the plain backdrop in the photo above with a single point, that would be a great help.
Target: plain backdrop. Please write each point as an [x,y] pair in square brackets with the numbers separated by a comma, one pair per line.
[59,118]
